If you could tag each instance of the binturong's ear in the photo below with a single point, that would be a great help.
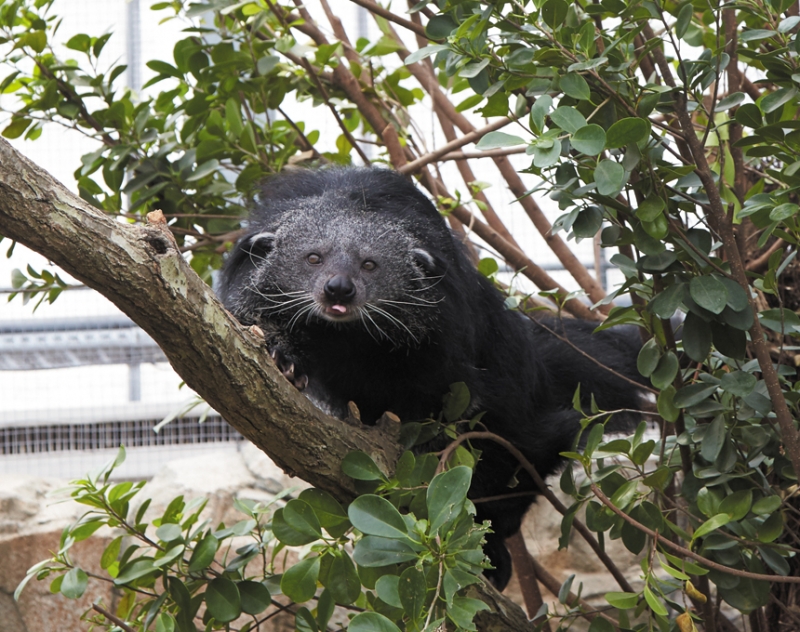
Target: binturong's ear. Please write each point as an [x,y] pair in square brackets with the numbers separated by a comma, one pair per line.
[259,245]
[425,260]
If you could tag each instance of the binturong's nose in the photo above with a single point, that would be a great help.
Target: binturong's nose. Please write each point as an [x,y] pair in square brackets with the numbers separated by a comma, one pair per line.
[340,289]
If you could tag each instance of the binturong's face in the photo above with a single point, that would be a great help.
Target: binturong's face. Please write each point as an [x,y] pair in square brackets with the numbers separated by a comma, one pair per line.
[344,268]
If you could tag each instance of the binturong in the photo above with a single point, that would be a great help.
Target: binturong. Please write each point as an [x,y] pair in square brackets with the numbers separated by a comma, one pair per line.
[366,296]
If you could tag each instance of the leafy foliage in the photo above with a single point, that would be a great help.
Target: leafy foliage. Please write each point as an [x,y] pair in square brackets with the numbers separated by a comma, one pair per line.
[176,570]
[666,131]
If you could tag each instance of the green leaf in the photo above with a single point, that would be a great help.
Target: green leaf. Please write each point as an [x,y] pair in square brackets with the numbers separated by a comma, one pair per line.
[165,622]
[654,602]
[783,212]
[255,596]
[539,110]
[446,496]
[622,600]
[412,591]
[749,115]
[568,118]
[766,505]
[210,166]
[338,574]
[374,515]
[737,505]
[454,580]
[713,439]
[203,554]
[328,510]
[624,494]
[696,337]
[169,532]
[777,99]
[666,406]
[665,304]
[665,371]
[74,583]
[575,86]
[386,589]
[693,394]
[588,222]
[111,552]
[424,52]
[304,621]
[299,583]
[360,466]
[554,12]
[710,525]
[735,98]
[648,357]
[589,140]
[738,383]
[371,622]
[456,402]
[223,600]
[300,516]
[16,128]
[684,19]
[440,26]
[287,534]
[497,140]
[266,64]
[463,611]
[627,131]
[373,551]
[37,40]
[80,42]
[709,293]
[774,560]
[563,591]
[609,177]
[137,569]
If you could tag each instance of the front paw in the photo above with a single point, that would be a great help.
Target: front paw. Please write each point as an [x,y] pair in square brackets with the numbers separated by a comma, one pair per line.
[290,369]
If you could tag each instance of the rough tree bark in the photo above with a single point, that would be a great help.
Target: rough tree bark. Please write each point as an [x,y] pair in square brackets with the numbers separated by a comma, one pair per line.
[141,271]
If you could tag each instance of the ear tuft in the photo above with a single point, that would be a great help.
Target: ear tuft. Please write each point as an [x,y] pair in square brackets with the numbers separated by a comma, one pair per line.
[424,259]
[259,244]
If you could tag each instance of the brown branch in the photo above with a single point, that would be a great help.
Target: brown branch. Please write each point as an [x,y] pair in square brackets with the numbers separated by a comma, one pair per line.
[686,552]
[312,73]
[115,620]
[466,139]
[376,9]
[526,575]
[489,153]
[760,263]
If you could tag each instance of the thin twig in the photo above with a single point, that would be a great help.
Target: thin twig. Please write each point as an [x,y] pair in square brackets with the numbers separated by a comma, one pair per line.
[686,552]
[115,620]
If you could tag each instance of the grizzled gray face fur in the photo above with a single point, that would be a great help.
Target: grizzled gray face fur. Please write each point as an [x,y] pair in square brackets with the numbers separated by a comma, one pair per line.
[326,264]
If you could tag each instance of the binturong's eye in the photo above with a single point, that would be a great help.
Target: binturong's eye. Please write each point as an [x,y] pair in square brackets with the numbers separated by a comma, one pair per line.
[369,265]
[314,259]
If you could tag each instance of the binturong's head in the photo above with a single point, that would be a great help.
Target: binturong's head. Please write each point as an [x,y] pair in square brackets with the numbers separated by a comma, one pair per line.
[357,248]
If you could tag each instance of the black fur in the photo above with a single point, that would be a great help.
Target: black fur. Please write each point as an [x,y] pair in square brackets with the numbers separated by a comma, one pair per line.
[394,337]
